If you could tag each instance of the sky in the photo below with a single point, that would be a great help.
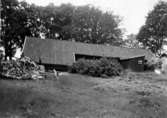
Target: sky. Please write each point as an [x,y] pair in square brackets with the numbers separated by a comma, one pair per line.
[132,12]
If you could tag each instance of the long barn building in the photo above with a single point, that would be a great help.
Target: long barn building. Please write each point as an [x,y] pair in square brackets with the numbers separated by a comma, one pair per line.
[61,54]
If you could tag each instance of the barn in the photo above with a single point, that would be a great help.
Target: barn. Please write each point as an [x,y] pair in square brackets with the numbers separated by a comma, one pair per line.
[60,54]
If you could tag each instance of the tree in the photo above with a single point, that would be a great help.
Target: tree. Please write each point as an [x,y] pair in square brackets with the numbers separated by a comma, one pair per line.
[83,24]
[13,22]
[132,42]
[57,20]
[154,31]
[91,25]
[18,21]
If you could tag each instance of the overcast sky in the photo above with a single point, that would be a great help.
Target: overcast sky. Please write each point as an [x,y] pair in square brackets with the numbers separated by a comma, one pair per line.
[133,12]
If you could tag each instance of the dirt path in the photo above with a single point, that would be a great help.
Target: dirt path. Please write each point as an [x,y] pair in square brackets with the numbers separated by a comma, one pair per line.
[142,95]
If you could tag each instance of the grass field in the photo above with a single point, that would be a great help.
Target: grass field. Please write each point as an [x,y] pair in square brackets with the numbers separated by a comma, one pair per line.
[136,95]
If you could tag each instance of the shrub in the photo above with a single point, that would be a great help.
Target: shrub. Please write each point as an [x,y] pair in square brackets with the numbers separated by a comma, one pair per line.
[99,68]
[79,67]
[152,64]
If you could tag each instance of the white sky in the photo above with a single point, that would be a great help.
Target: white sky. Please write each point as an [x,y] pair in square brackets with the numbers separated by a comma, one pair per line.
[133,12]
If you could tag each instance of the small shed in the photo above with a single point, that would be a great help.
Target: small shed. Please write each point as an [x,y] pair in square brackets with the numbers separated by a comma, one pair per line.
[135,63]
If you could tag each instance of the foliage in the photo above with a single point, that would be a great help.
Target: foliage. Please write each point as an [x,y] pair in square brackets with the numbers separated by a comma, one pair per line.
[91,25]
[98,68]
[132,42]
[65,22]
[83,24]
[17,23]
[154,31]
[152,64]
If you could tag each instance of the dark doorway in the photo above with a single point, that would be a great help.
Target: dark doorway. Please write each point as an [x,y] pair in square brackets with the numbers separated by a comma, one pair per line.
[89,57]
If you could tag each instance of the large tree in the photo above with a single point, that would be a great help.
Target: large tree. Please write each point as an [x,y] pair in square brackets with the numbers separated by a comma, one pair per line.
[83,24]
[55,21]
[17,23]
[93,26]
[154,31]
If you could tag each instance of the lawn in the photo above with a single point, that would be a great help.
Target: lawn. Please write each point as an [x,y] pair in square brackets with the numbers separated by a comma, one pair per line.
[136,95]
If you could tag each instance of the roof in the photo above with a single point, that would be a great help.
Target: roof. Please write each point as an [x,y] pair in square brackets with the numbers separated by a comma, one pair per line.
[62,52]
[132,57]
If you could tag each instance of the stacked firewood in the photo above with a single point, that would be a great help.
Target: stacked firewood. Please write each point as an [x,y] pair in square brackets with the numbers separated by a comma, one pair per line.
[23,68]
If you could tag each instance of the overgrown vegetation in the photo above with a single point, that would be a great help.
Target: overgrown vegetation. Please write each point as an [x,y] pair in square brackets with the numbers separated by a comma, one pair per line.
[154,31]
[152,65]
[99,68]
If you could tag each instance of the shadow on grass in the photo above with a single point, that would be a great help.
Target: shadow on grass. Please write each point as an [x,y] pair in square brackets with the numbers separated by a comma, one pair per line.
[22,101]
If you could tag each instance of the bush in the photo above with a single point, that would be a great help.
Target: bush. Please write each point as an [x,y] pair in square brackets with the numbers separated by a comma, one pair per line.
[98,68]
[152,64]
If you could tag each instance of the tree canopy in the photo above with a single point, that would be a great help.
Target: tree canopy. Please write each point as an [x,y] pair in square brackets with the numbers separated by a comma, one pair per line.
[92,26]
[84,24]
[64,22]
[154,31]
[16,24]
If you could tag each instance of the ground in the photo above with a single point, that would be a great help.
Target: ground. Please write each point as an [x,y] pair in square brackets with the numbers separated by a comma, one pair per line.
[134,95]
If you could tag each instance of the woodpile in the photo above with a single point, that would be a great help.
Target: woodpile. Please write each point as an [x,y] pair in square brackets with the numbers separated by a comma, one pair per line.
[23,68]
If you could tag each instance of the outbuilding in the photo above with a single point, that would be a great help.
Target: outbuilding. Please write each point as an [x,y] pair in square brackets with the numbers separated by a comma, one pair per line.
[60,54]
[135,63]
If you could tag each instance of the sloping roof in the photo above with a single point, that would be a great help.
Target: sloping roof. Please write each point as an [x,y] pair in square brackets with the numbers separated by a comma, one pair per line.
[62,52]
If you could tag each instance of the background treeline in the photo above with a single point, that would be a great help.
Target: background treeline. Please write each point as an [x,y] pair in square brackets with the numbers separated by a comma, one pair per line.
[82,23]
[66,22]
